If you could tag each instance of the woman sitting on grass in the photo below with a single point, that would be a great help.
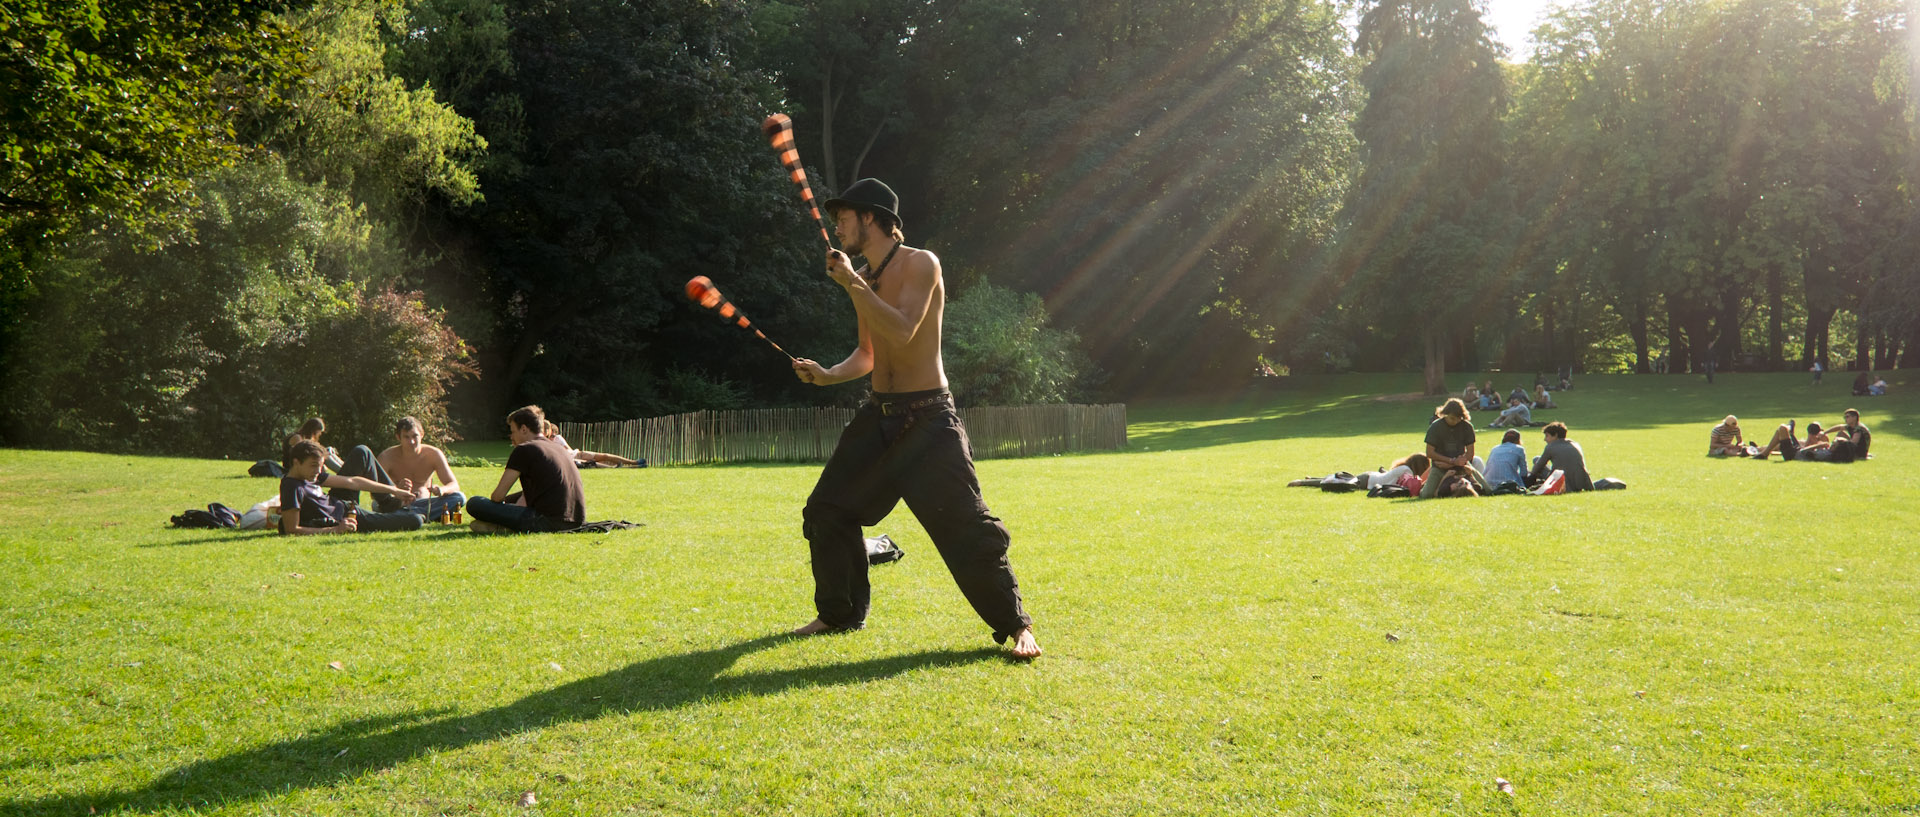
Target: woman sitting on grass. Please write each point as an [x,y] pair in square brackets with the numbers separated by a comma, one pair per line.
[1542,400]
[1725,439]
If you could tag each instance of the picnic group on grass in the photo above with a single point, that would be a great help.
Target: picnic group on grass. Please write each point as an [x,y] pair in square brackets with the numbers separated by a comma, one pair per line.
[1451,467]
[1848,442]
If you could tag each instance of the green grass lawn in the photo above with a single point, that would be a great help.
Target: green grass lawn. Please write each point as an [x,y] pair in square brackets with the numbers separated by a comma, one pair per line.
[1726,637]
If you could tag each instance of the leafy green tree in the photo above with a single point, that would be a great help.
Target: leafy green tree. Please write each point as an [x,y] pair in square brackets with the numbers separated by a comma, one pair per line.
[108,107]
[1428,202]
[217,345]
[999,351]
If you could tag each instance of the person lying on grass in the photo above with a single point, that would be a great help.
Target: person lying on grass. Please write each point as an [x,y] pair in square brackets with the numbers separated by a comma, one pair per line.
[1450,449]
[551,498]
[1406,472]
[305,511]
[1784,442]
[1725,439]
[552,432]
[1563,455]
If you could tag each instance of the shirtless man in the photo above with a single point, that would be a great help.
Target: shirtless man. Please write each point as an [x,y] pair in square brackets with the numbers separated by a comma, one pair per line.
[906,441]
[413,466]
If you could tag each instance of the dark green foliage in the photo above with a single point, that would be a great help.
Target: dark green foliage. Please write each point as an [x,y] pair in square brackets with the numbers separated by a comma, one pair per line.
[627,159]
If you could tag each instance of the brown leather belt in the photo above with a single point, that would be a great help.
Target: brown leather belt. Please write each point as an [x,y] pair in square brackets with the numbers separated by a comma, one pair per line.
[889,408]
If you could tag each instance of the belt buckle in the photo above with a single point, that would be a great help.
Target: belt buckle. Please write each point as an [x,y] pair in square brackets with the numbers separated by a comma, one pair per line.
[886,407]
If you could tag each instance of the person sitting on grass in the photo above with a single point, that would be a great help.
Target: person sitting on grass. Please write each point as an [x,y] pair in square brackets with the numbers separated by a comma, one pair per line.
[1563,455]
[304,510]
[358,462]
[551,498]
[1863,384]
[1518,414]
[1725,439]
[552,432]
[1856,434]
[1450,449]
[1507,462]
[415,465]
[1541,399]
[1489,398]
[1470,394]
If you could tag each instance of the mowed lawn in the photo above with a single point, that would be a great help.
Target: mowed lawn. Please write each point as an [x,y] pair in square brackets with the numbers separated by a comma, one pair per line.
[1724,637]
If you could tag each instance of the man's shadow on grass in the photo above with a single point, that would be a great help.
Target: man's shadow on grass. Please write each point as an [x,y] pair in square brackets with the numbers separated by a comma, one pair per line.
[357,747]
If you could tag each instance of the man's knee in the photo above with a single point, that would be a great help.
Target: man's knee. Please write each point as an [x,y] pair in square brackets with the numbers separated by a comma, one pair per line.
[823,520]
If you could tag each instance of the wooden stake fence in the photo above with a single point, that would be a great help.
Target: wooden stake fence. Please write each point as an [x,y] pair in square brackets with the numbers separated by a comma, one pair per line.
[809,434]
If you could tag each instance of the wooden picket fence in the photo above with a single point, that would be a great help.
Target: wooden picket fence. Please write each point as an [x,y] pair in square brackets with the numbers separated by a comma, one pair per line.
[809,434]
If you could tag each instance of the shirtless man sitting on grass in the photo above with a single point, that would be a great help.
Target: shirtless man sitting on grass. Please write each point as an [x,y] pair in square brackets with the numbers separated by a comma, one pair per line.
[414,465]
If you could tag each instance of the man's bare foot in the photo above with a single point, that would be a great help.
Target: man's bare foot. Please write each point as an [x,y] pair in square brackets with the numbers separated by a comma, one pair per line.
[1025,647]
[814,627]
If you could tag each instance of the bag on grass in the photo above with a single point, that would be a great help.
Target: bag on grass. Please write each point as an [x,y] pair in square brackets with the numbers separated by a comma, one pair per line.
[1609,484]
[215,516]
[1556,484]
[1388,492]
[881,550]
[1508,487]
[266,468]
[604,526]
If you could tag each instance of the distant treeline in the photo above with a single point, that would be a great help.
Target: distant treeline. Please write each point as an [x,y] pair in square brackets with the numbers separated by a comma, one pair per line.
[217,217]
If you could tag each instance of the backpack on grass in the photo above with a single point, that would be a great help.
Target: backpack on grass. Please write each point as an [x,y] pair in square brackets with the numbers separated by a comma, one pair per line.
[215,516]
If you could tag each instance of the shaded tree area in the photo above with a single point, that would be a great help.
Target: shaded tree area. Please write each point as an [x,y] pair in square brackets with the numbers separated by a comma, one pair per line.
[218,218]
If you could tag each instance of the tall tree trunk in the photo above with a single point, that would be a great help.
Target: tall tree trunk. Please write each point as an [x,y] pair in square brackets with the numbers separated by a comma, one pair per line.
[1698,325]
[1678,360]
[1862,344]
[1436,363]
[1547,332]
[1910,358]
[1819,326]
[1776,325]
[1883,350]
[1726,337]
[1637,327]
[861,159]
[828,102]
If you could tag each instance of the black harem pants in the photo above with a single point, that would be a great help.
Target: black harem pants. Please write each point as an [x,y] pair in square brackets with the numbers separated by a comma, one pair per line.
[908,446]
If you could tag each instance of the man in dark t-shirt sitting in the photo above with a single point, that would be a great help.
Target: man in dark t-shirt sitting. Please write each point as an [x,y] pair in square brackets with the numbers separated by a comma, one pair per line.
[550,496]
[1450,449]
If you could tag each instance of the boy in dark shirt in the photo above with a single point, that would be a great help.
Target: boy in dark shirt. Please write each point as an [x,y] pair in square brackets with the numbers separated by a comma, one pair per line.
[305,510]
[551,498]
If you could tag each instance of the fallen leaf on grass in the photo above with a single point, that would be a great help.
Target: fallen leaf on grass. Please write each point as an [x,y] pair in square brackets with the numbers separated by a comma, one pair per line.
[340,754]
[1504,787]
[527,799]
[1639,693]
[336,665]
[1391,637]
[556,666]
[296,575]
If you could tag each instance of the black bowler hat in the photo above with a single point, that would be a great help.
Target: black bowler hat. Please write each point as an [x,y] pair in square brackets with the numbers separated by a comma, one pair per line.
[871,194]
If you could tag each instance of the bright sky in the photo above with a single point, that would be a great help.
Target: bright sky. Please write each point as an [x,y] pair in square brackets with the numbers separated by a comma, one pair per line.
[1512,20]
